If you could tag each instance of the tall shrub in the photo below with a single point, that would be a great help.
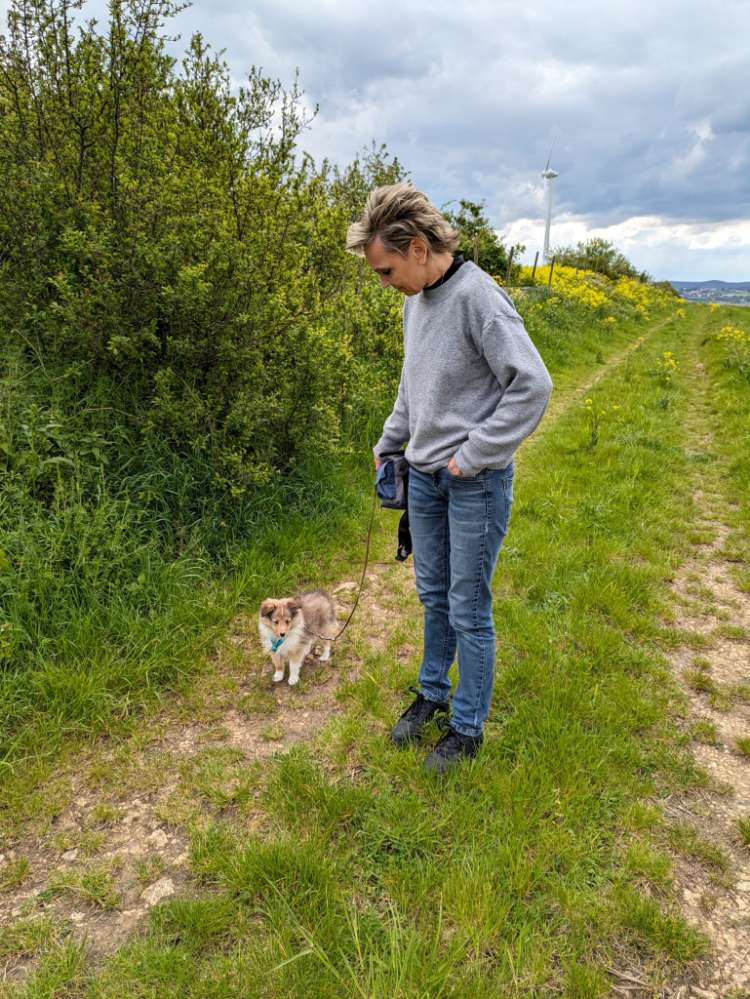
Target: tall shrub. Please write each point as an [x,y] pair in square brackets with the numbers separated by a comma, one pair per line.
[168,249]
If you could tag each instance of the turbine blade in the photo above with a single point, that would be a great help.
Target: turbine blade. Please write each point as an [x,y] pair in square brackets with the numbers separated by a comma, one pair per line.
[550,153]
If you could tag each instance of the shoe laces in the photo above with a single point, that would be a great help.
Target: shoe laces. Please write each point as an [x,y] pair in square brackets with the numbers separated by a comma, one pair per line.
[415,705]
[449,733]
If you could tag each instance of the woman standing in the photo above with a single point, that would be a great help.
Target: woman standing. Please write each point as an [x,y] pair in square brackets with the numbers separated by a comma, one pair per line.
[472,388]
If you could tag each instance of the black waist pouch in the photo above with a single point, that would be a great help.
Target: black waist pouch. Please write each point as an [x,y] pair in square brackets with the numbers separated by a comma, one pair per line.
[392,481]
[392,487]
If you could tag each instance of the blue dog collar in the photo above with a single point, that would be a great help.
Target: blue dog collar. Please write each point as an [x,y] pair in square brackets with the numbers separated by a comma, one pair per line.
[275,643]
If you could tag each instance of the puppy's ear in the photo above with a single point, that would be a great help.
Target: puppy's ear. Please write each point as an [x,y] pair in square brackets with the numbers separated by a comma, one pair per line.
[267,608]
[294,605]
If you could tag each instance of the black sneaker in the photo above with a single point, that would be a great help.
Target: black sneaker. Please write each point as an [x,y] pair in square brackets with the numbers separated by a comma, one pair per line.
[452,747]
[409,726]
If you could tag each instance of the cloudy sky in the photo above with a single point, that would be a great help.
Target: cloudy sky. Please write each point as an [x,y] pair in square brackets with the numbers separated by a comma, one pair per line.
[648,104]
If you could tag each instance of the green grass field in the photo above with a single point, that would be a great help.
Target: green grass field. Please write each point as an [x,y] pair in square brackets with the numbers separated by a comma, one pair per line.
[337,867]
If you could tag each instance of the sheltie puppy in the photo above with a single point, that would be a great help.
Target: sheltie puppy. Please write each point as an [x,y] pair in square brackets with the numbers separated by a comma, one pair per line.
[298,622]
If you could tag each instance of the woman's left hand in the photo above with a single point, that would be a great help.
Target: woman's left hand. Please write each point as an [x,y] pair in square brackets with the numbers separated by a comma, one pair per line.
[453,467]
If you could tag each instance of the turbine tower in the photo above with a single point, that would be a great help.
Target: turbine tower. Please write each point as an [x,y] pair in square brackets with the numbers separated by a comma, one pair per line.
[549,176]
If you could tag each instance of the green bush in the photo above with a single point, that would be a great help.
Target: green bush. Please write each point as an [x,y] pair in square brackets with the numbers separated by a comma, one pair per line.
[168,249]
[597,254]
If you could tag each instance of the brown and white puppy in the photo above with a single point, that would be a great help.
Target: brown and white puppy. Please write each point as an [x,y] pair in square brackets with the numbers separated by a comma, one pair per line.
[299,622]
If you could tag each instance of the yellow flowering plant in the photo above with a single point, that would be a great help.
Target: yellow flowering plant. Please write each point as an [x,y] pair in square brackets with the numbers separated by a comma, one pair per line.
[625,296]
[736,343]
[666,367]
[594,414]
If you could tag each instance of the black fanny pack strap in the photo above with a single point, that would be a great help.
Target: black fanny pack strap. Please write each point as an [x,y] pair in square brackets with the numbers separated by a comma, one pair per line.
[404,538]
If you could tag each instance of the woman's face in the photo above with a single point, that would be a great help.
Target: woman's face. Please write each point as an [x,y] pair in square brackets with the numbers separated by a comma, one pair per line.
[407,274]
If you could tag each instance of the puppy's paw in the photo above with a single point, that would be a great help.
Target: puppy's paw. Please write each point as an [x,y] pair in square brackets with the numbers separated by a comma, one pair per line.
[278,676]
[293,680]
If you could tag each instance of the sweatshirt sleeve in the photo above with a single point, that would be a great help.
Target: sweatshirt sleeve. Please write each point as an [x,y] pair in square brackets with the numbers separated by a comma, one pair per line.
[396,427]
[526,387]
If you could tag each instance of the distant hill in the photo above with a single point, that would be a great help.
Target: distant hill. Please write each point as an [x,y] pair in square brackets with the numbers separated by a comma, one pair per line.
[726,292]
[725,285]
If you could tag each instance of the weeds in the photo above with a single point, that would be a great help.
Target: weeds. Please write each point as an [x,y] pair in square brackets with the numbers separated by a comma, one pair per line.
[94,885]
[666,368]
[594,417]
[13,873]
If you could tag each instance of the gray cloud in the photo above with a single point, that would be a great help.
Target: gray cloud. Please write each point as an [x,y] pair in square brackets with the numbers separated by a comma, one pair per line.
[463,94]
[648,101]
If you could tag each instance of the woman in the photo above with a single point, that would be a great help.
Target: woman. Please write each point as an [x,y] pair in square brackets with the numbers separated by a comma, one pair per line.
[472,388]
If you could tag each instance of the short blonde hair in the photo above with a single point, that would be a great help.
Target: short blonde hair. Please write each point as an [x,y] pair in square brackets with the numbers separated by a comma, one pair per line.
[397,213]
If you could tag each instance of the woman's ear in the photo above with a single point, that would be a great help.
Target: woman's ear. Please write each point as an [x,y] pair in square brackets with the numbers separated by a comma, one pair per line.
[420,249]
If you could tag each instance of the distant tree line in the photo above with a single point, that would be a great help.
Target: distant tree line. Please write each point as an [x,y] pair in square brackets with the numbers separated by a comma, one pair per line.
[598,255]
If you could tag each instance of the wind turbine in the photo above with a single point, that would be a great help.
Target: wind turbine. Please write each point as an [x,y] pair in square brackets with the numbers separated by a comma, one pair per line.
[549,176]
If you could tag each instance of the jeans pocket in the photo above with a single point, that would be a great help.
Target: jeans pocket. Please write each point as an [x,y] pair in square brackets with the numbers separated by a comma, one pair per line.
[465,478]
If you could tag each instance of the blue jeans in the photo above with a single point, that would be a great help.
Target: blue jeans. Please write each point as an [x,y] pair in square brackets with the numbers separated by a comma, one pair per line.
[457,527]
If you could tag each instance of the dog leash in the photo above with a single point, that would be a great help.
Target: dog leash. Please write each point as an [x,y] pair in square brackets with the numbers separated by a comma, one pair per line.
[361,581]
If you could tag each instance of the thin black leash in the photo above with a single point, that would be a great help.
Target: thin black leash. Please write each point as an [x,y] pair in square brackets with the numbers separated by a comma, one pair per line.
[361,581]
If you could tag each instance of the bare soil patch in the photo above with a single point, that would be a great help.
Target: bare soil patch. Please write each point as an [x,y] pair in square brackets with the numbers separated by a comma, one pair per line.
[716,683]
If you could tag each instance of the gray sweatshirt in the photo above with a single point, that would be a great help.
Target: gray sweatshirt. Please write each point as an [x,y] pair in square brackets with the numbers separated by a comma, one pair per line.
[472,384]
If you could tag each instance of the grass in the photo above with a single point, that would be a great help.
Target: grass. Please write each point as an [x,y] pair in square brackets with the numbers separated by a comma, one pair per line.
[734,632]
[104,814]
[94,885]
[684,838]
[13,873]
[705,731]
[91,841]
[149,869]
[701,682]
[29,937]
[536,867]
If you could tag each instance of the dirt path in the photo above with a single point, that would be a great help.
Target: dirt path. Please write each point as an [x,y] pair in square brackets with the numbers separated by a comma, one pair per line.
[714,612]
[561,402]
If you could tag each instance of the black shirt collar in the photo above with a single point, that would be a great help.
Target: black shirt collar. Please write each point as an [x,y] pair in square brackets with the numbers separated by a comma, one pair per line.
[458,260]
